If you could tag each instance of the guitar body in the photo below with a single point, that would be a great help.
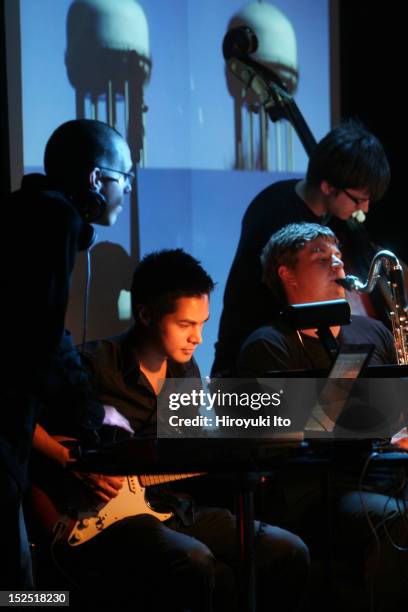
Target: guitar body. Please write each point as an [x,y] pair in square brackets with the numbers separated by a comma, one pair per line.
[66,507]
[130,501]
[63,503]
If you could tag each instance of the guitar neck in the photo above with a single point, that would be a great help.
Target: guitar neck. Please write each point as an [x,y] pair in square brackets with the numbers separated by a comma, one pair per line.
[148,480]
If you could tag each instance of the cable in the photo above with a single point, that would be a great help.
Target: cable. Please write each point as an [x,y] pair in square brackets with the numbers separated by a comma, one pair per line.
[402,513]
[81,347]
[364,505]
[86,297]
[59,530]
[83,374]
[370,524]
[383,523]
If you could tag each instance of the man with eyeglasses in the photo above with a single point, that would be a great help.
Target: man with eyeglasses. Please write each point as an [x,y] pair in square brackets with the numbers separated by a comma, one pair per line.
[347,171]
[114,194]
[95,176]
[87,175]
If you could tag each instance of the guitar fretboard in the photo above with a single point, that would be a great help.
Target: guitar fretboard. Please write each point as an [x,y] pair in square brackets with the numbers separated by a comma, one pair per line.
[147,480]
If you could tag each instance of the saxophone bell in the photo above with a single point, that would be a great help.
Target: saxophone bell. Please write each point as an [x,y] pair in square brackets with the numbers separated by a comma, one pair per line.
[398,284]
[386,263]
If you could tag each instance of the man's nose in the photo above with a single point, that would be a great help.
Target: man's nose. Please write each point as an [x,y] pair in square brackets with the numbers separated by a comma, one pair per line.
[196,337]
[337,262]
[364,206]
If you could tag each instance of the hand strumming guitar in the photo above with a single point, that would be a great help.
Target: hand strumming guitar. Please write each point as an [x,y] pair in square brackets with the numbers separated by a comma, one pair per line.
[103,487]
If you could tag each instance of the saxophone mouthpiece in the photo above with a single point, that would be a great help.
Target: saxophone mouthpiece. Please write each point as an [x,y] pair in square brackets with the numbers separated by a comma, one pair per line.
[352,283]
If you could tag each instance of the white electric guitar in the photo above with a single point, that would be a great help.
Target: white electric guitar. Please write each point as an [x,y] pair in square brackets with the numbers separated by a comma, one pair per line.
[85,520]
[130,501]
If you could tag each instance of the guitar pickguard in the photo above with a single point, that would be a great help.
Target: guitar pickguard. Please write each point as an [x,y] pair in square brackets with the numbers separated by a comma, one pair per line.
[130,501]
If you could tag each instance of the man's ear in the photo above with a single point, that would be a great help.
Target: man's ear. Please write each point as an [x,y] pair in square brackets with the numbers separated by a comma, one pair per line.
[287,276]
[326,188]
[94,179]
[144,315]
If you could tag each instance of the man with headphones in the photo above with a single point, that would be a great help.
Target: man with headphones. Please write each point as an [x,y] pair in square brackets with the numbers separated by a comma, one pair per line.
[87,175]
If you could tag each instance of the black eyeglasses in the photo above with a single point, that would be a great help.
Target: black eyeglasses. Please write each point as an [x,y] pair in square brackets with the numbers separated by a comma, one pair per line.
[129,176]
[357,201]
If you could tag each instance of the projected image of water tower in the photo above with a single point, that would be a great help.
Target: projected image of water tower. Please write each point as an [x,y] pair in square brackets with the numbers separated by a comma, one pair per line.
[259,144]
[108,63]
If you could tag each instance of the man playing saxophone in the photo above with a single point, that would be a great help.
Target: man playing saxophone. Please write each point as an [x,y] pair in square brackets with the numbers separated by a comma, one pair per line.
[302,263]
[387,261]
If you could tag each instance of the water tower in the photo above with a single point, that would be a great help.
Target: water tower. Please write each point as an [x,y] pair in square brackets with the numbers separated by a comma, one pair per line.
[108,63]
[255,147]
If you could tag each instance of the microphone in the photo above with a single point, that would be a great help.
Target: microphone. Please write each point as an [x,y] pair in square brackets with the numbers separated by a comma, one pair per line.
[238,42]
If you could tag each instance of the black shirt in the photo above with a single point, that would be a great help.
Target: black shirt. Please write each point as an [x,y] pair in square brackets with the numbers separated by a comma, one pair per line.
[278,347]
[118,381]
[45,231]
[68,404]
[48,232]
[248,304]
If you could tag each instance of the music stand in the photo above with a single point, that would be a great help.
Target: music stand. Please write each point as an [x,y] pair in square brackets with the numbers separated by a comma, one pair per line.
[320,316]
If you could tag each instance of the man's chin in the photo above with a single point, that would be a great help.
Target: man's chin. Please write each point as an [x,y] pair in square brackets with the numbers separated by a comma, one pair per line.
[183,356]
[110,216]
[113,217]
[328,297]
[343,215]
[187,355]
[338,296]
[337,292]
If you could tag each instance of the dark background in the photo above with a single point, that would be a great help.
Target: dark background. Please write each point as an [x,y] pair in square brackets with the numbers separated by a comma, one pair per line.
[4,134]
[371,84]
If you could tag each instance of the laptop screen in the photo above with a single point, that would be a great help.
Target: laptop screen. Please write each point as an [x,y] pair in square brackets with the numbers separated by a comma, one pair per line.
[348,365]
[351,361]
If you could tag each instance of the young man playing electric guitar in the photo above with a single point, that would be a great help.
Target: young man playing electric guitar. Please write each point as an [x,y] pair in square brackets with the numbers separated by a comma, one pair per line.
[187,558]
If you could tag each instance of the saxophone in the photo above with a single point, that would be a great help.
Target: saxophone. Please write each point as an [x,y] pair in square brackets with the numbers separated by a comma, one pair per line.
[385,261]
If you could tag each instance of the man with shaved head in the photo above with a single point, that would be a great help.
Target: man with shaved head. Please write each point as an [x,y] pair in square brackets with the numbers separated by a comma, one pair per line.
[90,155]
[88,171]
